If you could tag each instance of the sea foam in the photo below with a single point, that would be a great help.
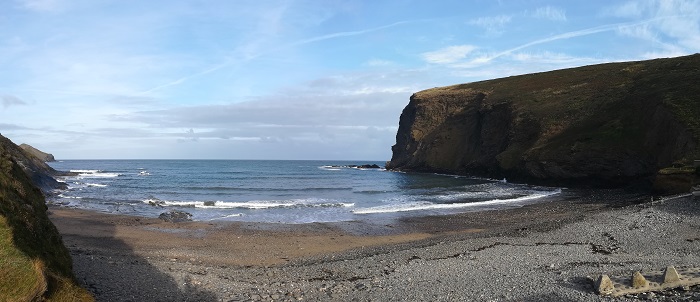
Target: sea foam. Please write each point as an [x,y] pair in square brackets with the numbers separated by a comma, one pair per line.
[425,205]
[251,205]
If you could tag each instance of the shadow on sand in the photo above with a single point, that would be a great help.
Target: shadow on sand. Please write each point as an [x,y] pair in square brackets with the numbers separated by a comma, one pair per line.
[112,271]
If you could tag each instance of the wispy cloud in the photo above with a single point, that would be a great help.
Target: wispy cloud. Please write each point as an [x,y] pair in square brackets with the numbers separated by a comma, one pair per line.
[5,126]
[254,56]
[674,25]
[549,13]
[629,9]
[449,54]
[493,25]
[548,57]
[563,36]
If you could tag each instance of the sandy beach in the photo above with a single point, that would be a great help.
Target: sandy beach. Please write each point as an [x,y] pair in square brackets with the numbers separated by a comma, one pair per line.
[550,251]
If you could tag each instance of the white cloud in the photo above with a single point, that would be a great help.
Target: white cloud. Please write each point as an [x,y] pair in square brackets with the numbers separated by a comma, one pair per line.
[493,25]
[642,31]
[549,13]
[449,54]
[672,25]
[630,9]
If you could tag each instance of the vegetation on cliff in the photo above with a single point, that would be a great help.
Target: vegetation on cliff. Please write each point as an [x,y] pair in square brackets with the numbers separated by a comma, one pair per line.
[34,263]
[41,155]
[608,124]
[41,174]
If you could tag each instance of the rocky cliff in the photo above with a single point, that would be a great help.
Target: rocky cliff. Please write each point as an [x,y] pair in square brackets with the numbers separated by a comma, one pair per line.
[34,263]
[41,174]
[608,124]
[43,156]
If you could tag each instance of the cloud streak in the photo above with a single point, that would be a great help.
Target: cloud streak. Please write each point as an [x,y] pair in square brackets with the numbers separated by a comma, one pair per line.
[493,25]
[228,62]
[484,59]
[549,13]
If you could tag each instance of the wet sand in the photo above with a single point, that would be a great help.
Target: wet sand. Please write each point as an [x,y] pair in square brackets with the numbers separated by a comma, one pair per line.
[219,243]
[538,252]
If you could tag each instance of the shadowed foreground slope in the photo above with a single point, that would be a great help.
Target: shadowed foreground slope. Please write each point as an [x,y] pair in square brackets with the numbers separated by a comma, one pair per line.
[34,263]
[608,124]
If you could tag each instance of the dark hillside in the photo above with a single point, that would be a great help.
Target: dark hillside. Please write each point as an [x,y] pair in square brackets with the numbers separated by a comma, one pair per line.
[609,124]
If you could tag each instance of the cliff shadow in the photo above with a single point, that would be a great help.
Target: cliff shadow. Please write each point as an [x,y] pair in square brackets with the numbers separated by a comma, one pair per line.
[112,271]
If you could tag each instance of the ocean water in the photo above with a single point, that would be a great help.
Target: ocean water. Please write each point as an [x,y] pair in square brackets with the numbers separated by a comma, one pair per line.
[279,191]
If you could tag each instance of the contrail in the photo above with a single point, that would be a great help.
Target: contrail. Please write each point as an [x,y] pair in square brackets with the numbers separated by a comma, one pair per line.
[294,44]
[571,34]
[344,34]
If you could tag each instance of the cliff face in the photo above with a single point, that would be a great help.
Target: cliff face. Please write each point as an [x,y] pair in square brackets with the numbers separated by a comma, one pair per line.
[34,263]
[41,174]
[43,156]
[609,124]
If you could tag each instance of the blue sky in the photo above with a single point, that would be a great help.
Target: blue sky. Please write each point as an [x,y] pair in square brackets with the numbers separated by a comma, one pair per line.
[119,79]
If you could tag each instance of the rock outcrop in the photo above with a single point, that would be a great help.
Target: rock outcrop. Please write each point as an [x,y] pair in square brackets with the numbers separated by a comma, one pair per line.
[34,263]
[43,156]
[609,124]
[175,216]
[41,174]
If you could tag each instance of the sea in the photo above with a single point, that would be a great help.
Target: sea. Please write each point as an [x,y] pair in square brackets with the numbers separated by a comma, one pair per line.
[290,192]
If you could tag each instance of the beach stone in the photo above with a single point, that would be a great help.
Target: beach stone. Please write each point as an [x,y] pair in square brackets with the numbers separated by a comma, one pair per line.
[175,216]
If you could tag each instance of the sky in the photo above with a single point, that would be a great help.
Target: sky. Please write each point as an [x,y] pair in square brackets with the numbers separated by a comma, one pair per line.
[293,79]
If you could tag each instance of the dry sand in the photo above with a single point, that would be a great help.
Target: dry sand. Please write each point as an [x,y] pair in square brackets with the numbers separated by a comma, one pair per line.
[541,252]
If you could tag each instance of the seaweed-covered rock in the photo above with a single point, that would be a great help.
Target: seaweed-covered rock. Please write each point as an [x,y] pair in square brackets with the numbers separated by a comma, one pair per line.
[175,216]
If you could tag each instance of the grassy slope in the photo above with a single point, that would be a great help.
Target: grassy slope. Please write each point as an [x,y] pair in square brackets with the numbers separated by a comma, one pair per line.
[34,264]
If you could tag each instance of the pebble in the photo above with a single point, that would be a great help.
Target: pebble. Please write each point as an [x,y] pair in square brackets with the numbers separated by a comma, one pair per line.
[492,269]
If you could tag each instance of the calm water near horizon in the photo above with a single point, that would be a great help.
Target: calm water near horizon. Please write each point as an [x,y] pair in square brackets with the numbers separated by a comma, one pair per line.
[279,191]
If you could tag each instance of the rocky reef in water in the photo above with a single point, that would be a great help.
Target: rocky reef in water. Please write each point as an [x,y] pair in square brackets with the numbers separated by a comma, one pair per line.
[34,263]
[611,124]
